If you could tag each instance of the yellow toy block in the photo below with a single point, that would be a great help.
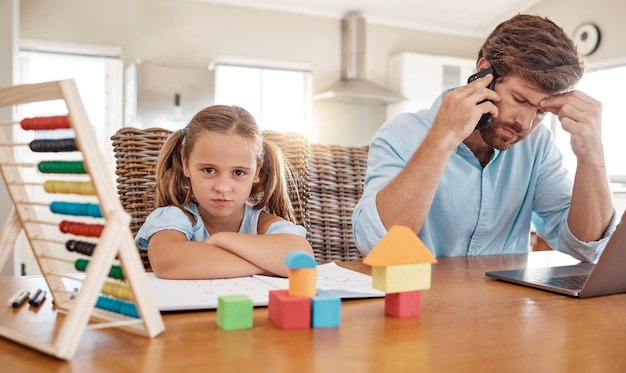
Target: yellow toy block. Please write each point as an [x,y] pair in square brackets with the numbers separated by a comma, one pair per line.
[399,246]
[401,278]
[302,282]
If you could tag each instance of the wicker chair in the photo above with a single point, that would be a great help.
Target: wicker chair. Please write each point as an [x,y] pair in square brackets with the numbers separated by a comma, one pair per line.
[328,183]
[334,185]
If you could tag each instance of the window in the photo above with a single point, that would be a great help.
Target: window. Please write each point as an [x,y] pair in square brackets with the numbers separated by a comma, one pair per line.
[280,99]
[605,85]
[97,71]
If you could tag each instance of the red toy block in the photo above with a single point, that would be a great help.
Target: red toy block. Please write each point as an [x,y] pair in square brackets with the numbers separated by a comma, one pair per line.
[405,304]
[289,312]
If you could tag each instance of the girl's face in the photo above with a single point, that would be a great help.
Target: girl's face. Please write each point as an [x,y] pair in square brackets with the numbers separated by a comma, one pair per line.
[221,169]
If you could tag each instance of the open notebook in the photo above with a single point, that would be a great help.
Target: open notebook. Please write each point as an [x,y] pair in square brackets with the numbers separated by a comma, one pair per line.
[607,276]
[181,295]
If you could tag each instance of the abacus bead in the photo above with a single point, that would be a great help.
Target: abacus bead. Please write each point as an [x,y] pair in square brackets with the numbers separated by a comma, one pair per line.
[81,264]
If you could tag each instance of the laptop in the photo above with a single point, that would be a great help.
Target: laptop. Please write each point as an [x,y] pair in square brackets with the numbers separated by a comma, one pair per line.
[583,280]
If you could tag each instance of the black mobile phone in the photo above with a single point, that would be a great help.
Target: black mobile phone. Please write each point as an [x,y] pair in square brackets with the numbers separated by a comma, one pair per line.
[485,119]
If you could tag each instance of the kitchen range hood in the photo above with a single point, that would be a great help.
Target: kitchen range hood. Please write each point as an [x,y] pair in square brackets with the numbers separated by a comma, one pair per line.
[353,86]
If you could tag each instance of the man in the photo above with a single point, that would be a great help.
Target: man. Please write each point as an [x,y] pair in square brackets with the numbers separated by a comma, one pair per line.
[468,191]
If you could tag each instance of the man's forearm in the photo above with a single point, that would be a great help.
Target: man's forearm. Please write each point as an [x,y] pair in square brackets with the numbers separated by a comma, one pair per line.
[591,209]
[406,200]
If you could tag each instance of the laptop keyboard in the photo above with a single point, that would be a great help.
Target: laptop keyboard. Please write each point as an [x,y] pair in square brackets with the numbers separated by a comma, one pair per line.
[566,282]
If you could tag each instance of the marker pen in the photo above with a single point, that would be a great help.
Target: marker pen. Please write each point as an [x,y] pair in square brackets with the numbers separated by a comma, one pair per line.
[18,299]
[13,298]
[34,296]
[38,298]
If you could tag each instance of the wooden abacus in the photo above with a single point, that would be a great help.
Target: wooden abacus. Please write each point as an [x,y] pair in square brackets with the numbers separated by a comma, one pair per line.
[126,302]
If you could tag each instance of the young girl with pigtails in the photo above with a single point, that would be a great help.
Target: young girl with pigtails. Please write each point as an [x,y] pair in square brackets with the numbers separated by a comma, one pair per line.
[221,203]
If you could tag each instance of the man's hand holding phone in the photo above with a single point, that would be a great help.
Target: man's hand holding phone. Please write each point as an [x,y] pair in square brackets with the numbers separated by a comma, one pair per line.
[460,110]
[485,119]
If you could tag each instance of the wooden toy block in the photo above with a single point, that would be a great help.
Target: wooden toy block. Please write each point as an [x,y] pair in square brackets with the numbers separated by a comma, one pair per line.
[325,310]
[302,282]
[234,312]
[400,278]
[399,246]
[288,312]
[299,259]
[405,304]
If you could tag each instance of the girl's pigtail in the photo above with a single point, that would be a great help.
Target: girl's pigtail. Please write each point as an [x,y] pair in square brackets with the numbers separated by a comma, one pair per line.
[275,178]
[172,187]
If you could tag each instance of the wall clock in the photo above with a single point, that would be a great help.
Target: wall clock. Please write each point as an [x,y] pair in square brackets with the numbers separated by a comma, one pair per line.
[587,38]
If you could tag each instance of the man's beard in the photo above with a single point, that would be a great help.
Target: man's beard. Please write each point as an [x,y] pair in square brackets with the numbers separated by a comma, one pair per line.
[489,135]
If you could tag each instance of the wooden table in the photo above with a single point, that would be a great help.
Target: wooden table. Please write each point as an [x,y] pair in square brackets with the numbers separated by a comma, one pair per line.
[468,324]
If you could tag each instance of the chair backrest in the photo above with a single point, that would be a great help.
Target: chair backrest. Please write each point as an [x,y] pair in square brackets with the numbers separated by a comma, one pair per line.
[334,185]
[136,152]
[328,183]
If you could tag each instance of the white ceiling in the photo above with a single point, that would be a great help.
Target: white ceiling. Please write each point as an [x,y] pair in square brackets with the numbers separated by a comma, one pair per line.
[473,18]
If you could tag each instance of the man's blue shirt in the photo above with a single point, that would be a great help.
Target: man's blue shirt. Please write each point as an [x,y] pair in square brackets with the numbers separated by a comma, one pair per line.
[476,210]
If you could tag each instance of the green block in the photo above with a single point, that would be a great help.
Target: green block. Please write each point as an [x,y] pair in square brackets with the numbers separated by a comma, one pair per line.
[234,312]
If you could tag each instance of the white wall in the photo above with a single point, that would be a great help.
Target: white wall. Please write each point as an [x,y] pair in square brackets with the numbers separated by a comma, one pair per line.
[190,33]
[607,14]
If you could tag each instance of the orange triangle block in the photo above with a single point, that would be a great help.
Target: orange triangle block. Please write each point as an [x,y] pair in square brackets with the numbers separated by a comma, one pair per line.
[399,246]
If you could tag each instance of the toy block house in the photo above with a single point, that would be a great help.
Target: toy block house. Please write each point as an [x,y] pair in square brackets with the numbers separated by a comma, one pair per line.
[401,267]
[302,306]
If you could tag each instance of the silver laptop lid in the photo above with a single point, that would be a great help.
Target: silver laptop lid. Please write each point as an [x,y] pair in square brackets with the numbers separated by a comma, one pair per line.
[609,274]
[606,277]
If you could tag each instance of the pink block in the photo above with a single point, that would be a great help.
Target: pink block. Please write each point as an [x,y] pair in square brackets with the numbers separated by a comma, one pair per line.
[289,312]
[405,304]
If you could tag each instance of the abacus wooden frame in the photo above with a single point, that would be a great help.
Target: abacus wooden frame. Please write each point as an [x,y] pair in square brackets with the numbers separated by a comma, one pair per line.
[115,240]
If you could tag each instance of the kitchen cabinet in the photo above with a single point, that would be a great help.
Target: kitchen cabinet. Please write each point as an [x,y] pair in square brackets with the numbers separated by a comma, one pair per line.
[421,78]
[165,96]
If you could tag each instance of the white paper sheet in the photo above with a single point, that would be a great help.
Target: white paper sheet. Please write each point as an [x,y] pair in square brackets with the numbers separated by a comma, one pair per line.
[180,295]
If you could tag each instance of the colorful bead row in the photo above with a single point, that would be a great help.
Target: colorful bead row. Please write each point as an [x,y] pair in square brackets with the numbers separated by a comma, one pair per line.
[58,145]
[121,291]
[81,229]
[61,167]
[81,247]
[114,272]
[45,123]
[117,305]
[70,187]
[76,209]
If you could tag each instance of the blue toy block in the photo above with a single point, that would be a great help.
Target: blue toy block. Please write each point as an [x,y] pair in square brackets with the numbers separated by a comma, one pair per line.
[299,259]
[325,310]
[234,312]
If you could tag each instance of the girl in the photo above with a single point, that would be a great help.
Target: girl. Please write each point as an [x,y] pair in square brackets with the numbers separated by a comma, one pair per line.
[205,225]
